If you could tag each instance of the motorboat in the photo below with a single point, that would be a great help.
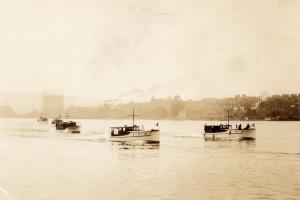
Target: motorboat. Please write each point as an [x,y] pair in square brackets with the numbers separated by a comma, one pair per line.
[134,133]
[226,131]
[42,119]
[70,126]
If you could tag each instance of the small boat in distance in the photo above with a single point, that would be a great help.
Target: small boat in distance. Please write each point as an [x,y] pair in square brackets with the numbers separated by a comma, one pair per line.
[225,131]
[134,133]
[42,119]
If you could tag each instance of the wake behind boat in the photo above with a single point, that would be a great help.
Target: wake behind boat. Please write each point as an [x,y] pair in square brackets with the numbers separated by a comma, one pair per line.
[226,131]
[134,133]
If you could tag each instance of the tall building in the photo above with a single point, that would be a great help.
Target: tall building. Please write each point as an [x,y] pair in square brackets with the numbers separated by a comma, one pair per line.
[53,105]
[265,94]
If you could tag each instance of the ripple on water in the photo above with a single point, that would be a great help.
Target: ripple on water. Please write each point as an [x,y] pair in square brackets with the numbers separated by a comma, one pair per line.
[182,166]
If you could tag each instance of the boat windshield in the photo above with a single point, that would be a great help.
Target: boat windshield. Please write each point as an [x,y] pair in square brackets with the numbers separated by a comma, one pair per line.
[126,128]
[225,126]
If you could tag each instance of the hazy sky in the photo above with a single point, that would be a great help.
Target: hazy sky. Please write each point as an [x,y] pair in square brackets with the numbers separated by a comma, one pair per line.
[135,49]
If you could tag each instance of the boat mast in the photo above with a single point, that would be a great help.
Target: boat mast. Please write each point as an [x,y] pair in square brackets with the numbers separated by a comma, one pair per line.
[228,117]
[133,115]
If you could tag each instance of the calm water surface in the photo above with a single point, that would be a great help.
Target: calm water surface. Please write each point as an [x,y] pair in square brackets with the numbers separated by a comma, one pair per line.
[37,163]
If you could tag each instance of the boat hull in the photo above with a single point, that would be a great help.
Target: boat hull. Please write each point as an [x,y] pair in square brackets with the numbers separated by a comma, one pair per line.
[73,129]
[147,136]
[232,134]
[248,135]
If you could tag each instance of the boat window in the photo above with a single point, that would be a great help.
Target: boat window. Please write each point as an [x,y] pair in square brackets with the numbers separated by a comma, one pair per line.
[116,131]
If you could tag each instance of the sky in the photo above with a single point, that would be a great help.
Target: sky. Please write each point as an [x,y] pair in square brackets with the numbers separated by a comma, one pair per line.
[136,49]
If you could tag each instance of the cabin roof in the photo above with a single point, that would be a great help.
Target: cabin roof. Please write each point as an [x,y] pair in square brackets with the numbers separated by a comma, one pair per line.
[124,126]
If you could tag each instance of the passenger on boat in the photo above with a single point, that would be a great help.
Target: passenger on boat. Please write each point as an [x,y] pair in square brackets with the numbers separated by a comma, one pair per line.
[240,127]
[247,127]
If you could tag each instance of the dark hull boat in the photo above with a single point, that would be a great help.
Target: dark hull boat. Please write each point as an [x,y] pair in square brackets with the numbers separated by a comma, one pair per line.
[70,126]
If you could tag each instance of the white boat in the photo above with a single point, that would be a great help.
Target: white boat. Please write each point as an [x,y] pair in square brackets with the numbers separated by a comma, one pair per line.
[225,131]
[241,134]
[134,133]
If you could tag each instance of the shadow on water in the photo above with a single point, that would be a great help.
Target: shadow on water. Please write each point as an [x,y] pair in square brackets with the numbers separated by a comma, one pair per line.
[249,140]
[136,145]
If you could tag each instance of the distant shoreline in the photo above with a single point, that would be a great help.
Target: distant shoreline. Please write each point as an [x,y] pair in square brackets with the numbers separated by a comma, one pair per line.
[285,107]
[258,120]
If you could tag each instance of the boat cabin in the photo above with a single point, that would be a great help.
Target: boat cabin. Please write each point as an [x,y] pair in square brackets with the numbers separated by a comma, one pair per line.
[57,121]
[64,125]
[216,128]
[123,130]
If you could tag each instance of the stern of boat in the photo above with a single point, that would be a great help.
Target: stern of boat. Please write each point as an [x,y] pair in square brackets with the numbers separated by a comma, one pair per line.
[248,134]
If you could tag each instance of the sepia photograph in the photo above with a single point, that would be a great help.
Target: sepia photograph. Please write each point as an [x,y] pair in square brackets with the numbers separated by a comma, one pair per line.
[149,99]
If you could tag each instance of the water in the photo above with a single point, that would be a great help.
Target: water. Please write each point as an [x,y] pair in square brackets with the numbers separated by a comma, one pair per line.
[37,163]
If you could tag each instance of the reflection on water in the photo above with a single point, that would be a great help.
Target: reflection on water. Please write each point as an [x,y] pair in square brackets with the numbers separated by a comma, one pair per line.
[228,139]
[37,162]
[239,145]
[221,139]
[136,145]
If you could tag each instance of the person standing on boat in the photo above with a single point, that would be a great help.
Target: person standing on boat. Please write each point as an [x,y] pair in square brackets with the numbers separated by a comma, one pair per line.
[247,127]
[240,127]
